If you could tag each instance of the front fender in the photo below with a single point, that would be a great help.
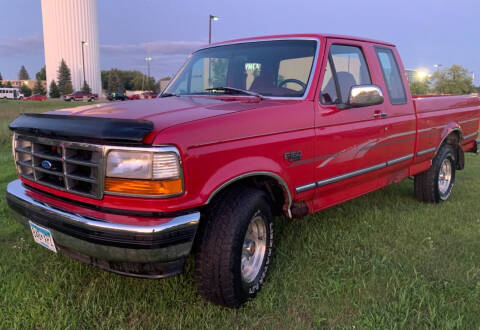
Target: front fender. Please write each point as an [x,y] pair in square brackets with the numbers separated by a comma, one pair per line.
[242,168]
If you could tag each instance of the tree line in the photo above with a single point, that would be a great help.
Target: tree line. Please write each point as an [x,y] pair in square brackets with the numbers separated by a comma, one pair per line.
[451,80]
[113,81]
[63,87]
[119,81]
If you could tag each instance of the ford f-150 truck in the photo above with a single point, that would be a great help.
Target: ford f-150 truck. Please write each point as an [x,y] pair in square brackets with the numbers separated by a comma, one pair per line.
[247,130]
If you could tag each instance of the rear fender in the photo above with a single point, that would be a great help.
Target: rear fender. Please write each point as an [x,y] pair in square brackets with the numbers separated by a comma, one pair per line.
[453,128]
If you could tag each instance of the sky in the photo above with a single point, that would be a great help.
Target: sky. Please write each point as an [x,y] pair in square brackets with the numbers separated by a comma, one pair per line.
[426,32]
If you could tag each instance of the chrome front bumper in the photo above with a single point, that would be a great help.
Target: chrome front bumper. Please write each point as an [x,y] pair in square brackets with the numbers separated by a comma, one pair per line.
[141,251]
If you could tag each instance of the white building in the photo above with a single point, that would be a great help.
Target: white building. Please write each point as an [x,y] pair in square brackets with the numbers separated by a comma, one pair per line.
[69,26]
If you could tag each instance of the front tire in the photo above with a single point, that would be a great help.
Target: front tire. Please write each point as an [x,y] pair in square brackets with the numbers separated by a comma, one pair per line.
[436,184]
[234,247]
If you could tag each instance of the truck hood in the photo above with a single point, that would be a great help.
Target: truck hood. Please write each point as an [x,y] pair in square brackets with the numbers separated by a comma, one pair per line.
[170,111]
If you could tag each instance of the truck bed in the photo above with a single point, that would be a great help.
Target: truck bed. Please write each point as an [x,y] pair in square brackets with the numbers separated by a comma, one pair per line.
[428,103]
[440,114]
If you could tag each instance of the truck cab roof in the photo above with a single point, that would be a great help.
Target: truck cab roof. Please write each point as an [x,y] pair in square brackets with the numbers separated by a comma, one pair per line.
[319,36]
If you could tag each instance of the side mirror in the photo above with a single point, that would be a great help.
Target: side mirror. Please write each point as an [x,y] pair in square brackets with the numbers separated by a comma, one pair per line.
[365,95]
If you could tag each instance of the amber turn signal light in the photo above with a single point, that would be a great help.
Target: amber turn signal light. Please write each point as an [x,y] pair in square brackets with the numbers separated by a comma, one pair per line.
[143,187]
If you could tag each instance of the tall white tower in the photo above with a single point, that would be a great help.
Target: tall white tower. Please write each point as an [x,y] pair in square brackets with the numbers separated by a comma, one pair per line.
[69,26]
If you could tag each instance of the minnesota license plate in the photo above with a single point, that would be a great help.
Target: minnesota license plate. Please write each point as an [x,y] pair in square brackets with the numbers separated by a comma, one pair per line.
[42,236]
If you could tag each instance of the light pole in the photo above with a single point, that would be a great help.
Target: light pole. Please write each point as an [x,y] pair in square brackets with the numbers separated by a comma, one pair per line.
[84,43]
[148,59]
[212,18]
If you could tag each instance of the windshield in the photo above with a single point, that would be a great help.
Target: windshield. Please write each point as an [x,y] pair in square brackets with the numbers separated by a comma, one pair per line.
[279,68]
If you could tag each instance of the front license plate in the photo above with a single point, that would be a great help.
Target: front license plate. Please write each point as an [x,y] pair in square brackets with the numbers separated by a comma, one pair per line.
[42,236]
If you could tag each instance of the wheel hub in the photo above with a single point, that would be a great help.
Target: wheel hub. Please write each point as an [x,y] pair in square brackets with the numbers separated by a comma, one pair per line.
[250,247]
[254,247]
[445,176]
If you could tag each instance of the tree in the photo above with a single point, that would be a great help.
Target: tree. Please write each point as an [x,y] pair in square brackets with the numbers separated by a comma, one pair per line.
[115,84]
[23,74]
[218,72]
[420,87]
[157,88]
[138,82]
[1,79]
[128,78]
[104,78]
[86,89]
[54,91]
[42,74]
[38,88]
[25,90]
[150,84]
[64,78]
[131,80]
[8,84]
[453,80]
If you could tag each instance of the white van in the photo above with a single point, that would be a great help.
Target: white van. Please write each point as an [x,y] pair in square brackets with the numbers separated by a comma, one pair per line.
[10,93]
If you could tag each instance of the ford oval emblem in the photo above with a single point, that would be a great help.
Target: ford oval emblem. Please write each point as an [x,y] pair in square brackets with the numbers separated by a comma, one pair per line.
[46,164]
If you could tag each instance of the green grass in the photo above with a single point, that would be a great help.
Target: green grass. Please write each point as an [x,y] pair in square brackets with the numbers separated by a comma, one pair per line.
[380,261]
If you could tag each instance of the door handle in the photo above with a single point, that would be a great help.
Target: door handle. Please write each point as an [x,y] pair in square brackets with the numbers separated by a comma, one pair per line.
[380,115]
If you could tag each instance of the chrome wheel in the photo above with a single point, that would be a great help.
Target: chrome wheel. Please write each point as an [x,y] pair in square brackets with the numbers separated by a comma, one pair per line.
[254,247]
[445,176]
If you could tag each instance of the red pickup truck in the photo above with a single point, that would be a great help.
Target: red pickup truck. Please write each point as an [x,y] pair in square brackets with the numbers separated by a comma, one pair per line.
[81,96]
[247,130]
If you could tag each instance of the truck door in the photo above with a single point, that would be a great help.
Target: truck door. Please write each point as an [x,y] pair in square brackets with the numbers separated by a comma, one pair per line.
[400,129]
[350,158]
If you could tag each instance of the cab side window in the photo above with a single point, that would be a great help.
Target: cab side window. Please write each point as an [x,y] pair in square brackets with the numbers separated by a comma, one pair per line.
[391,74]
[346,67]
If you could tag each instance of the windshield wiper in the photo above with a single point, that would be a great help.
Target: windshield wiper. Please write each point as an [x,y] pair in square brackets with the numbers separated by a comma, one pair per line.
[169,94]
[235,90]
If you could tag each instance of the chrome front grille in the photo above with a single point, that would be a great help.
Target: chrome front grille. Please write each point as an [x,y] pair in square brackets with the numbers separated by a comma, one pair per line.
[69,166]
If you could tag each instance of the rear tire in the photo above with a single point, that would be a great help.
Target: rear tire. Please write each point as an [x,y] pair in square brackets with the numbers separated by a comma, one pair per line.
[436,184]
[234,246]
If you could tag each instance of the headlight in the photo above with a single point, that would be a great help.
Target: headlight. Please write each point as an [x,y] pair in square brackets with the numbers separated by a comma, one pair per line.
[129,164]
[146,173]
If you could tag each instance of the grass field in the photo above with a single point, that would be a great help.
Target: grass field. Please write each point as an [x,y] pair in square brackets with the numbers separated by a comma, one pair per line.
[380,261]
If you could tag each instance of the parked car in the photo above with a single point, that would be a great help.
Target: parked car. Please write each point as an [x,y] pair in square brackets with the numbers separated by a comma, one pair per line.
[150,95]
[134,97]
[117,97]
[81,96]
[300,123]
[35,97]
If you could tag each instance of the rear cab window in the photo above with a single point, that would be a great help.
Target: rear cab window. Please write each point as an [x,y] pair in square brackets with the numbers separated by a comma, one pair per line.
[346,67]
[391,75]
